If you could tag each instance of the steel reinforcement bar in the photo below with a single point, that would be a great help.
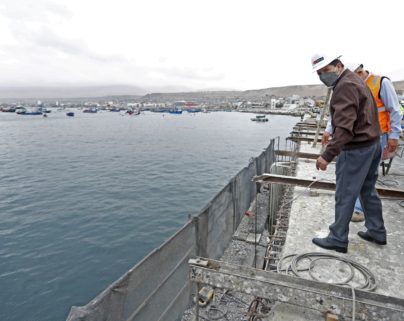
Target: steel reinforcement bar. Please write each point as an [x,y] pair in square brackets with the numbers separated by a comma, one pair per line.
[289,180]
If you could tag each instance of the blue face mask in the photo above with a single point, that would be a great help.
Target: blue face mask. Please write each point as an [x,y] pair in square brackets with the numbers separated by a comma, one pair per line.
[329,78]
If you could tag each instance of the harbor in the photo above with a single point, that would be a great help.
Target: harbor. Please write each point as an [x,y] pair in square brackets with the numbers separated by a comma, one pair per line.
[86,198]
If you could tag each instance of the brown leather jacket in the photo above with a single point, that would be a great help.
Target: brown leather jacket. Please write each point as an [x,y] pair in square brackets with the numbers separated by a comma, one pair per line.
[354,116]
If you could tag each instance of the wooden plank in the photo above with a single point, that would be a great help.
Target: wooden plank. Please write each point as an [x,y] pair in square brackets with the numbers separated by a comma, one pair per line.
[290,180]
[305,139]
[304,127]
[313,125]
[307,133]
[296,154]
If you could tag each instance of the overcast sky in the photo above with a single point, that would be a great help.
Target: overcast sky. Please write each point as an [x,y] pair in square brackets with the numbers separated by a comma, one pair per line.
[193,44]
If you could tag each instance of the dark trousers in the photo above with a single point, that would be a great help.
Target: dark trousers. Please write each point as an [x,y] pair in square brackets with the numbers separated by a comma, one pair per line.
[356,175]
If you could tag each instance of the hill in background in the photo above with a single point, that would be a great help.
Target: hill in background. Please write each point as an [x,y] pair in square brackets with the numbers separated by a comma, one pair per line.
[137,93]
[316,91]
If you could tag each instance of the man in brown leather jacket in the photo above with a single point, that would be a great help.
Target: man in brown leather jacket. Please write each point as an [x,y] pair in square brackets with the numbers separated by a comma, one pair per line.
[356,143]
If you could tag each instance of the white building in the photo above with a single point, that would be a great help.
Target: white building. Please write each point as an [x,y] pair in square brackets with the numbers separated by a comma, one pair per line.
[309,102]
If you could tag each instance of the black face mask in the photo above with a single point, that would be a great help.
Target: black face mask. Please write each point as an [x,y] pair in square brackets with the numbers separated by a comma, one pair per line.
[329,78]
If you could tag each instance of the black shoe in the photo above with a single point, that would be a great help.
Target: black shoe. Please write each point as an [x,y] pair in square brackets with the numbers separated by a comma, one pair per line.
[367,237]
[326,244]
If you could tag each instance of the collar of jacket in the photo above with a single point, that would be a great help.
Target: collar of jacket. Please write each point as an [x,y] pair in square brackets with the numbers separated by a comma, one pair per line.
[343,74]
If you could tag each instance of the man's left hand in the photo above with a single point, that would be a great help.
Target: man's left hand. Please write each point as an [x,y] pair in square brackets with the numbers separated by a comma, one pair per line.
[392,145]
[325,138]
[321,164]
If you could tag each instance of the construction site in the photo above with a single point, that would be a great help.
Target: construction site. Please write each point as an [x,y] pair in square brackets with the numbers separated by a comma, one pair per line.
[283,275]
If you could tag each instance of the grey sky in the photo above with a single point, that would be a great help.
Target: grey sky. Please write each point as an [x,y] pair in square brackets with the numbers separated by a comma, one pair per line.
[192,44]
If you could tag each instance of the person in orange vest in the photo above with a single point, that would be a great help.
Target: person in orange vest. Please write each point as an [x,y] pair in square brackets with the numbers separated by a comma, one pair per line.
[389,114]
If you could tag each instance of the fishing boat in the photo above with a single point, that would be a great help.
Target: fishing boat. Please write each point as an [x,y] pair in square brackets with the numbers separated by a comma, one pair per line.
[175,111]
[32,113]
[20,110]
[260,118]
[194,110]
[29,112]
[160,110]
[133,111]
[8,109]
[91,110]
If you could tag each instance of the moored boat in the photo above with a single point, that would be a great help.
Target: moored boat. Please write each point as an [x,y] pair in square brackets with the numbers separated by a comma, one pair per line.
[260,118]
[175,111]
[132,111]
[8,109]
[194,110]
[91,110]
[20,110]
[29,112]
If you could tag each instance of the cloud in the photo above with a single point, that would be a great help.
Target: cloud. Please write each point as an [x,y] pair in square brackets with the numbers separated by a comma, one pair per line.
[32,24]
[187,73]
[153,43]
[23,11]
[49,39]
[41,49]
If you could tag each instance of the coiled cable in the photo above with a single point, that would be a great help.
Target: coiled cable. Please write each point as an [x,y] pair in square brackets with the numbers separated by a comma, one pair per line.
[370,283]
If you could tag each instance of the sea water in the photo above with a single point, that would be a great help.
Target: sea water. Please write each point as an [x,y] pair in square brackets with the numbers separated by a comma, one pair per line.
[84,198]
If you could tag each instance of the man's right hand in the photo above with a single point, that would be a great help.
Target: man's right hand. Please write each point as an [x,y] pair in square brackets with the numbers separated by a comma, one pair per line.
[326,138]
[321,164]
[392,145]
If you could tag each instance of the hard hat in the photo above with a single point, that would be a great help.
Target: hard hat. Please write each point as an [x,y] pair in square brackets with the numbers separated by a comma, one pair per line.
[353,66]
[319,61]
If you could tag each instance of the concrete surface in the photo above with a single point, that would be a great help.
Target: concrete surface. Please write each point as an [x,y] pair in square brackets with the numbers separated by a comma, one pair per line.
[310,217]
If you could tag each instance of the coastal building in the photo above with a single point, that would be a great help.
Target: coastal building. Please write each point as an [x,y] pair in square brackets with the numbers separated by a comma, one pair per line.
[290,106]
[308,102]
[133,105]
[277,103]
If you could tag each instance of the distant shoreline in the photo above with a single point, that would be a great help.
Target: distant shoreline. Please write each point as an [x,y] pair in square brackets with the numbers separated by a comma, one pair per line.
[125,92]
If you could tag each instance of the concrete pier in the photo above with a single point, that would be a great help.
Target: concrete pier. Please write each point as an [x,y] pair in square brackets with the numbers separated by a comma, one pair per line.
[307,213]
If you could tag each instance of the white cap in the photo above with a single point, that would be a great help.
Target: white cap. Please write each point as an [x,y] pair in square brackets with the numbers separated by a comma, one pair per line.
[352,66]
[319,61]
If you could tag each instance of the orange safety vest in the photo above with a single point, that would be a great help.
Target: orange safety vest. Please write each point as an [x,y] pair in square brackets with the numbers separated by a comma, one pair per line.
[374,83]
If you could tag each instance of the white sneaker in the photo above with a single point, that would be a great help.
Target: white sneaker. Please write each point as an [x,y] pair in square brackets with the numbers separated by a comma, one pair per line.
[357,217]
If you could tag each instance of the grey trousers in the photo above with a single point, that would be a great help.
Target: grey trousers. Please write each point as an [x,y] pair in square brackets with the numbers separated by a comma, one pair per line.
[356,175]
